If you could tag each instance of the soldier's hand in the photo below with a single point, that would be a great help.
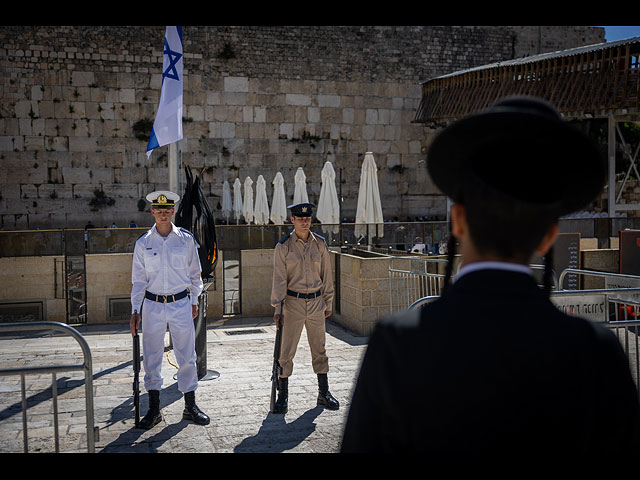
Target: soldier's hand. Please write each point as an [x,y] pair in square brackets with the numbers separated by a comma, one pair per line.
[327,313]
[276,318]
[134,323]
[194,310]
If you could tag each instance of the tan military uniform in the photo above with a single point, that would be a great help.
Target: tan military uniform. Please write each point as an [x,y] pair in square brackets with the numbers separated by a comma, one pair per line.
[303,268]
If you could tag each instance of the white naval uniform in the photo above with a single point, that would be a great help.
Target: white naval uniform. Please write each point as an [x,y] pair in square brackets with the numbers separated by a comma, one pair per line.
[166,266]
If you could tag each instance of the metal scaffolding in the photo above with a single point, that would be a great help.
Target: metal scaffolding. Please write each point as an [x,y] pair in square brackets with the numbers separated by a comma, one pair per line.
[595,81]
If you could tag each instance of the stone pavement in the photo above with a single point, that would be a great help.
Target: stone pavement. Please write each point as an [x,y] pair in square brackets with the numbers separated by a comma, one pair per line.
[240,350]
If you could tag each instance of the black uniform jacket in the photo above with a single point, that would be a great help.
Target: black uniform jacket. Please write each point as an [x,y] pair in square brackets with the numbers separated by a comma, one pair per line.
[493,367]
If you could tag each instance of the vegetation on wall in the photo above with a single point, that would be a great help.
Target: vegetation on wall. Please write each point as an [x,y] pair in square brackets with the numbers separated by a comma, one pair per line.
[100,200]
[142,129]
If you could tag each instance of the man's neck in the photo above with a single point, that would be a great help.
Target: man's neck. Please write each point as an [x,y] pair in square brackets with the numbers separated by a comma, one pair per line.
[304,236]
[164,229]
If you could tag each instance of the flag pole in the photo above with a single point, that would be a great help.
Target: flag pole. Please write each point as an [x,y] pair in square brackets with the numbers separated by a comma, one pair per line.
[167,127]
[173,167]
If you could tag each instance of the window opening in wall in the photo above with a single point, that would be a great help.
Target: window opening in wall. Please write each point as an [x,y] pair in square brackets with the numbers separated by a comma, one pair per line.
[231,282]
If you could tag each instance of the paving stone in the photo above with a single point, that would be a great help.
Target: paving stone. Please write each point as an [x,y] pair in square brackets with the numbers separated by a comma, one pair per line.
[237,401]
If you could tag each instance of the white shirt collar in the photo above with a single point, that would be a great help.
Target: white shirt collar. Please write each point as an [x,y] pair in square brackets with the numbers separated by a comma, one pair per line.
[174,229]
[511,267]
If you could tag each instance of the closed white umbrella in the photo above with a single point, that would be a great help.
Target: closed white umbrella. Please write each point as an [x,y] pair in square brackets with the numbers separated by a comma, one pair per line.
[226,200]
[279,202]
[369,221]
[247,201]
[237,199]
[328,211]
[261,209]
[300,192]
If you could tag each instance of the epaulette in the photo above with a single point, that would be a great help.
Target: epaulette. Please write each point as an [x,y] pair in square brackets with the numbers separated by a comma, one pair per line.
[285,238]
[320,237]
[184,230]
[143,234]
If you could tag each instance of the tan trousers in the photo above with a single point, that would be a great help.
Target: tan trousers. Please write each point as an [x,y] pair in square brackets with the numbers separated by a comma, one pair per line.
[300,313]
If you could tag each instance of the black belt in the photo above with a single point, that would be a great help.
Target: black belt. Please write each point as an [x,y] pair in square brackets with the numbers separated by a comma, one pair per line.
[166,298]
[303,295]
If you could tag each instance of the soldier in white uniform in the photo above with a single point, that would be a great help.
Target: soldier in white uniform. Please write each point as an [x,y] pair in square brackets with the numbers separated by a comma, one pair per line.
[166,275]
[302,280]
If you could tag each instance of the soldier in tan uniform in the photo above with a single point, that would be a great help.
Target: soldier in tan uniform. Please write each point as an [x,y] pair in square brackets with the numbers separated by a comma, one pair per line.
[303,288]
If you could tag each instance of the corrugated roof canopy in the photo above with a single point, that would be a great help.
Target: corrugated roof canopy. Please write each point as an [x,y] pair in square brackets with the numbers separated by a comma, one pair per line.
[584,82]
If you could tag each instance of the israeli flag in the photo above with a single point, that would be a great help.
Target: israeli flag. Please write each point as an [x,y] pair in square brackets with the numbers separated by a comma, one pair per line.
[167,127]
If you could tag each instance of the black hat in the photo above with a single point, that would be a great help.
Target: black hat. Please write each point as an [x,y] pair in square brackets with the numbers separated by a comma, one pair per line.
[302,209]
[521,147]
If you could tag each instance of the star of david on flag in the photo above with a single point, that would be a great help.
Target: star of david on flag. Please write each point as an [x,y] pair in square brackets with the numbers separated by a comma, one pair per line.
[167,127]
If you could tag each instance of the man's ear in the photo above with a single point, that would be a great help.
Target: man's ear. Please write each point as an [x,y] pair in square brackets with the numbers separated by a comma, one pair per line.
[548,240]
[458,216]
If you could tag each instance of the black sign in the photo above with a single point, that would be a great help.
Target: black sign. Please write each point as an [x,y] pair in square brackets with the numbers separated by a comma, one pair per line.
[566,254]
[630,252]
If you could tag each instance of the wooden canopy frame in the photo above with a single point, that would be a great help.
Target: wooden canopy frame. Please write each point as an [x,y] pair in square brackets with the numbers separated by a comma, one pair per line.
[595,81]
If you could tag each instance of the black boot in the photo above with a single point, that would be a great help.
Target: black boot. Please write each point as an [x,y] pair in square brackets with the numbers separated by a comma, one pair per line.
[191,410]
[324,396]
[153,416]
[283,395]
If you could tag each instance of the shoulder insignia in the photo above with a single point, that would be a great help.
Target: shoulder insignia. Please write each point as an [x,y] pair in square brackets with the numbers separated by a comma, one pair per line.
[144,234]
[320,237]
[193,237]
[285,238]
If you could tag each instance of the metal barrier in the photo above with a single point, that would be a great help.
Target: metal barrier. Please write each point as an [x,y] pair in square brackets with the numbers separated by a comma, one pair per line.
[606,275]
[77,241]
[413,286]
[86,366]
[408,285]
[625,324]
[423,301]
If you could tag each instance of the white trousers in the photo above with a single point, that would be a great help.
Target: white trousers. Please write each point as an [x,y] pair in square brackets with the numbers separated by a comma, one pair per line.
[155,318]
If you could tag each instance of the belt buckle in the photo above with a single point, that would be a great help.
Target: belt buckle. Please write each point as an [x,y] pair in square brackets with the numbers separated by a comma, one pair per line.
[165,298]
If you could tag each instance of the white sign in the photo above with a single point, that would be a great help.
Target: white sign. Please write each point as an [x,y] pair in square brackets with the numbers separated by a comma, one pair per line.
[590,307]
[622,282]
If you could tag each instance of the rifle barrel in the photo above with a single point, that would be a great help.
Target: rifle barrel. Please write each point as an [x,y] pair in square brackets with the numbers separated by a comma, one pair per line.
[136,377]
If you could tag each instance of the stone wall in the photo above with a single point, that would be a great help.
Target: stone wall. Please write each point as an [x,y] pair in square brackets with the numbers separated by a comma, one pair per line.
[257,100]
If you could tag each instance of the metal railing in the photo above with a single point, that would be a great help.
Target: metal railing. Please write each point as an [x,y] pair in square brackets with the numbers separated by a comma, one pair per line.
[77,241]
[413,286]
[413,282]
[595,273]
[86,367]
[625,325]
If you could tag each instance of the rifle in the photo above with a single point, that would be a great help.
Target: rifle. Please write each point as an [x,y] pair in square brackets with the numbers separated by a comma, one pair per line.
[277,369]
[136,373]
